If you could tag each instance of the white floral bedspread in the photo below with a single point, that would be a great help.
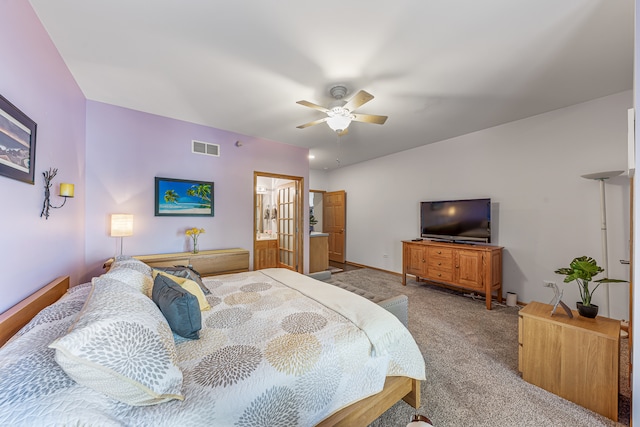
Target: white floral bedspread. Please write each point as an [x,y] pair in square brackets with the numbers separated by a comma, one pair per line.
[267,356]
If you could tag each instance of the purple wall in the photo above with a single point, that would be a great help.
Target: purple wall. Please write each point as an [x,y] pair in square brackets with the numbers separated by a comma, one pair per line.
[33,251]
[126,149]
[112,155]
[35,79]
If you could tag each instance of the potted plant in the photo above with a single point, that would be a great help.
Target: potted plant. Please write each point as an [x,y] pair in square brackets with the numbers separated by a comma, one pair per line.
[582,270]
[312,220]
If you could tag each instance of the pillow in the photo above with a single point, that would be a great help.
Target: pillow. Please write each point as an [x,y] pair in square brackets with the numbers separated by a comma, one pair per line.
[187,273]
[189,285]
[30,378]
[178,306]
[132,263]
[132,272]
[122,346]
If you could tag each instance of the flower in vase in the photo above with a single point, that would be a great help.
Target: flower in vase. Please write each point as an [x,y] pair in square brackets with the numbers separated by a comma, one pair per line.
[194,233]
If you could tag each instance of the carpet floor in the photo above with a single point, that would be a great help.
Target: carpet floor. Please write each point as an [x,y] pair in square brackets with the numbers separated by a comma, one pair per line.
[471,357]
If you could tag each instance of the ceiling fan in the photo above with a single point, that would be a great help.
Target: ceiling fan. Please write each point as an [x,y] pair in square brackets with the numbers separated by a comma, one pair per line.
[340,116]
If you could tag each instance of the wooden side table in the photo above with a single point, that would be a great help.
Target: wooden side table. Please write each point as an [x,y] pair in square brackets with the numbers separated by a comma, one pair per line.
[576,359]
[207,263]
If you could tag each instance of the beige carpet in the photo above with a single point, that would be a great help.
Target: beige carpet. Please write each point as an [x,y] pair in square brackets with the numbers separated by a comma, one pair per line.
[471,356]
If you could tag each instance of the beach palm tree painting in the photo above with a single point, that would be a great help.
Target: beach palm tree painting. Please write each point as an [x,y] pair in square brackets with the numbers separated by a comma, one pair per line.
[181,197]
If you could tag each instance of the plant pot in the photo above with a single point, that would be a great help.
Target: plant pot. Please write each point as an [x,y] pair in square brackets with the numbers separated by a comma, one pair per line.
[590,311]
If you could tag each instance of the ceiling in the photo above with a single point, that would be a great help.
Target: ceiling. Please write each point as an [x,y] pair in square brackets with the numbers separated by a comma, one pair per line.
[437,68]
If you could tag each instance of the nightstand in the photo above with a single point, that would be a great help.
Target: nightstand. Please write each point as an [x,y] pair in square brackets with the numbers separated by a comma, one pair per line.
[574,358]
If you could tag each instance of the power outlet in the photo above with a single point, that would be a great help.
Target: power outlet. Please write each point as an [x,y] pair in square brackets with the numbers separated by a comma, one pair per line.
[549,283]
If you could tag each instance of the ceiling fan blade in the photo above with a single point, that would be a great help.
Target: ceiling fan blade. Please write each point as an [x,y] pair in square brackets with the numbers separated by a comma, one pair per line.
[312,105]
[315,122]
[369,118]
[358,99]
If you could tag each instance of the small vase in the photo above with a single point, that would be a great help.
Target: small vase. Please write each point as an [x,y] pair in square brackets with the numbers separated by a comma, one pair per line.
[195,246]
[590,311]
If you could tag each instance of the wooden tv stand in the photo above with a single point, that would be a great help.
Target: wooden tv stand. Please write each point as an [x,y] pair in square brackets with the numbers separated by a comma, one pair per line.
[468,266]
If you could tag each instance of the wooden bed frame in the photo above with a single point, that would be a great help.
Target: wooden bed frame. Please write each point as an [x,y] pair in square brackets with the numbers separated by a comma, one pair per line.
[361,413]
[20,314]
[364,412]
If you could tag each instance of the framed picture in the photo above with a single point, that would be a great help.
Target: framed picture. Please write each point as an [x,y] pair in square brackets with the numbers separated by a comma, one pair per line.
[182,197]
[17,143]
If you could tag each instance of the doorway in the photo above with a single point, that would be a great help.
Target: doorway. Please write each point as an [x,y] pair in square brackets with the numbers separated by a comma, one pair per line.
[334,218]
[278,221]
[316,207]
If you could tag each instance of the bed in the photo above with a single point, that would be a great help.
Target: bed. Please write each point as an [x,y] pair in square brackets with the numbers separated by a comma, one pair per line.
[275,348]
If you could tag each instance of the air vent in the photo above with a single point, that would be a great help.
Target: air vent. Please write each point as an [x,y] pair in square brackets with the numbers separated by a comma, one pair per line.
[205,148]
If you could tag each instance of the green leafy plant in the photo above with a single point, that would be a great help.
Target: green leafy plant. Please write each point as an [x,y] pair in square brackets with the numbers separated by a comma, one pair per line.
[582,270]
[312,219]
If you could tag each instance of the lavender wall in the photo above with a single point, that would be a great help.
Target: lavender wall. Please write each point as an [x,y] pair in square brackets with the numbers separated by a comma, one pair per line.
[33,251]
[126,149]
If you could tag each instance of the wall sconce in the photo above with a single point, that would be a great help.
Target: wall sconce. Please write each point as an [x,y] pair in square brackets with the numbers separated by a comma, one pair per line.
[121,226]
[66,191]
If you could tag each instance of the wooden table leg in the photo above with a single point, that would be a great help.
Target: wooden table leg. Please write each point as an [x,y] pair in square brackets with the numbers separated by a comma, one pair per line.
[488,295]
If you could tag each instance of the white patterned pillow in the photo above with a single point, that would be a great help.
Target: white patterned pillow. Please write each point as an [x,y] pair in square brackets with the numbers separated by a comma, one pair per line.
[133,272]
[28,372]
[121,345]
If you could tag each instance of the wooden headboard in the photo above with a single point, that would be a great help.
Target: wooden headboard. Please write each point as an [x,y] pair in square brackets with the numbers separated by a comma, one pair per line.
[20,314]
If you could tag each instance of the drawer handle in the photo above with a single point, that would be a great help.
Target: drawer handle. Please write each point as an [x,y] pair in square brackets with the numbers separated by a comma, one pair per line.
[439,274]
[439,252]
[439,263]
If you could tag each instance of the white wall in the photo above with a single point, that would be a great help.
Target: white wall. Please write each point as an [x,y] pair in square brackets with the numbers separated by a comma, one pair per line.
[635,338]
[545,213]
[318,180]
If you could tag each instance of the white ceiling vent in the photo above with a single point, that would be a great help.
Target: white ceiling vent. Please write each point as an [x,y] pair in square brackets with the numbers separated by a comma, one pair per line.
[206,148]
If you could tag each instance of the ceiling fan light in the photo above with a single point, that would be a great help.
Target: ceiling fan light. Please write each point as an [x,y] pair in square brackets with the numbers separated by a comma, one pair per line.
[338,123]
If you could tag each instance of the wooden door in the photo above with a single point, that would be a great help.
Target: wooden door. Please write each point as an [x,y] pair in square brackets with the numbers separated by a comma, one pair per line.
[334,215]
[289,247]
[287,227]
[266,254]
[630,334]
[469,269]
[415,259]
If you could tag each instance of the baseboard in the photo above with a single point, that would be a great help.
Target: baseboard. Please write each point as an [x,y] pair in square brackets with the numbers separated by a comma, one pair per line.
[372,268]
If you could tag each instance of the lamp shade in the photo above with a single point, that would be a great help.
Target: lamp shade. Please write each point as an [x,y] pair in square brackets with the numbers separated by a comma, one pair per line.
[66,190]
[121,225]
[338,123]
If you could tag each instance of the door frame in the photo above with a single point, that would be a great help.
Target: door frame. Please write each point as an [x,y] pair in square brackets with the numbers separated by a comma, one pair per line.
[316,213]
[333,235]
[299,235]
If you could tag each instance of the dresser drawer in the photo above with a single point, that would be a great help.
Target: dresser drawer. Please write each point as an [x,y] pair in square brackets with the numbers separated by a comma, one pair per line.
[440,253]
[220,263]
[439,274]
[440,263]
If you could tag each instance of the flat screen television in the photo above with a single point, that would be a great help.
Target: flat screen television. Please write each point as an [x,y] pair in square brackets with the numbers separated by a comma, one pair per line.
[456,220]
